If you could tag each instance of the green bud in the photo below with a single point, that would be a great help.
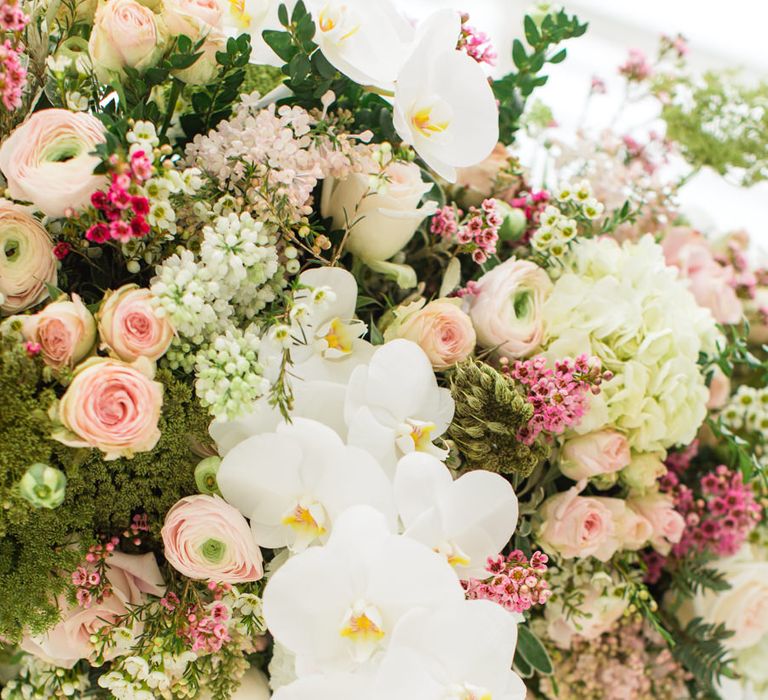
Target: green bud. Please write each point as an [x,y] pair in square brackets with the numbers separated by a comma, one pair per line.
[43,486]
[514,224]
[205,475]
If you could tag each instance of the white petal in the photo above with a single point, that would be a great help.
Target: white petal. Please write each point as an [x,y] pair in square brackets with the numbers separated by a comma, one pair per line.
[419,479]
[343,285]
[339,686]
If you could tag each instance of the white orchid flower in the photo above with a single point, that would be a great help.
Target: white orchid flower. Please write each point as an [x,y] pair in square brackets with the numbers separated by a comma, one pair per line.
[253,17]
[466,520]
[339,686]
[337,606]
[293,484]
[444,106]
[394,405]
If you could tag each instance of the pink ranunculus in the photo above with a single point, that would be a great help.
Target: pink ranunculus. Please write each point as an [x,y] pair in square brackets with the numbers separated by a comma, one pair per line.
[27,261]
[206,538]
[441,329]
[506,308]
[113,406]
[132,578]
[130,327]
[667,523]
[65,331]
[593,454]
[49,160]
[578,526]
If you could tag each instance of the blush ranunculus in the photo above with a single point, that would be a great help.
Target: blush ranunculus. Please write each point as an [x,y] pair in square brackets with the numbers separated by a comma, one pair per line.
[206,538]
[667,523]
[132,578]
[65,331]
[49,160]
[130,327]
[594,454]
[506,309]
[113,406]
[441,329]
[27,261]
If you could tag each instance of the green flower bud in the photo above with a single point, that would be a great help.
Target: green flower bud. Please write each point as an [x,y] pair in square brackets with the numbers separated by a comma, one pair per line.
[205,475]
[43,486]
[514,223]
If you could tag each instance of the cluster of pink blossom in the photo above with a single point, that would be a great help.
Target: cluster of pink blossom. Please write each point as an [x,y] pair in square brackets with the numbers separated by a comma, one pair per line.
[720,517]
[560,396]
[516,583]
[90,581]
[532,205]
[478,231]
[744,278]
[204,627]
[637,67]
[476,44]
[139,525]
[674,44]
[13,74]
[125,212]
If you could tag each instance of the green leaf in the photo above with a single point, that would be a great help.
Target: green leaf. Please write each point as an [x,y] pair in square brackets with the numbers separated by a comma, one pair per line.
[282,15]
[184,43]
[281,43]
[532,35]
[518,53]
[522,667]
[533,651]
[53,291]
[559,57]
[299,12]
[377,338]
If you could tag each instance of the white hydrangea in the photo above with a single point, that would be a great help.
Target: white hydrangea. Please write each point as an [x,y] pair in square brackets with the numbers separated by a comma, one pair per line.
[624,305]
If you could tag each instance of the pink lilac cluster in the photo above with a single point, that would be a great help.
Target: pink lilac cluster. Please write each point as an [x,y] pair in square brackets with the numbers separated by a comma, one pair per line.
[125,211]
[720,518]
[276,154]
[560,396]
[532,205]
[471,290]
[138,527]
[478,231]
[516,583]
[674,44]
[13,75]
[476,44]
[743,279]
[204,627]
[597,86]
[90,581]
[637,67]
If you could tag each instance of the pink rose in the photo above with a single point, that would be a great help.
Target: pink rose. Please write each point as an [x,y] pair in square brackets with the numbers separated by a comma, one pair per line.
[65,331]
[130,327]
[48,160]
[479,181]
[506,309]
[132,578]
[593,454]
[27,262]
[112,406]
[578,526]
[191,17]
[206,538]
[441,329]
[719,390]
[633,531]
[668,525]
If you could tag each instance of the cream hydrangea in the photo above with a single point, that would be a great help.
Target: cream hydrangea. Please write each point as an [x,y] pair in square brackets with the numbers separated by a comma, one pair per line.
[623,304]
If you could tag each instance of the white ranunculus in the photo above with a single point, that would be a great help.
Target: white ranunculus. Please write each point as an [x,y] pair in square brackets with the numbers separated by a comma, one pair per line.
[293,484]
[394,405]
[750,663]
[467,520]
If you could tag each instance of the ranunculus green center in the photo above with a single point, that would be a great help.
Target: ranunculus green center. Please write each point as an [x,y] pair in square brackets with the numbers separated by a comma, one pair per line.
[11,249]
[62,150]
[521,302]
[213,550]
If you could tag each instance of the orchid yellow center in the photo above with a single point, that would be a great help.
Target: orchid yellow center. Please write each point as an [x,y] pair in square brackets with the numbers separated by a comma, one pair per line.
[339,336]
[238,10]
[363,625]
[468,691]
[425,122]
[453,554]
[422,436]
[337,19]
[307,519]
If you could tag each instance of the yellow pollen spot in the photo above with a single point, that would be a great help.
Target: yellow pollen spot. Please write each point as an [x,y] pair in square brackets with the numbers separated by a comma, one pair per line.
[361,628]
[338,336]
[326,23]
[238,10]
[302,520]
[458,560]
[422,436]
[422,120]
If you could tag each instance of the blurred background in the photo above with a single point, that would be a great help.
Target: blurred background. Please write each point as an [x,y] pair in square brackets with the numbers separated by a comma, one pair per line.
[720,36]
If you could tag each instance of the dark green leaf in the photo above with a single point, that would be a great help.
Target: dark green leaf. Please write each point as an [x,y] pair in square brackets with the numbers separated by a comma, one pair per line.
[280,43]
[533,651]
[559,57]
[282,15]
[531,31]
[518,53]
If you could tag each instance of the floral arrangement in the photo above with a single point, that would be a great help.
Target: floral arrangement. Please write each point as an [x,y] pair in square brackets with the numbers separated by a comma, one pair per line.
[312,390]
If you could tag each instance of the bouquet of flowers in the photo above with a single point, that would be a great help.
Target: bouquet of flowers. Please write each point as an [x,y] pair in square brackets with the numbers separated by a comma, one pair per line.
[311,389]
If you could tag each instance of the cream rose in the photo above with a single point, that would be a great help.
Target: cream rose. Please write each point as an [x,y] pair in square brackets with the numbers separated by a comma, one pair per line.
[206,538]
[633,531]
[383,212]
[192,17]
[132,578]
[27,262]
[126,34]
[506,310]
[644,471]
[440,328]
[65,331]
[112,406]
[594,454]
[130,327]
[48,160]
[659,509]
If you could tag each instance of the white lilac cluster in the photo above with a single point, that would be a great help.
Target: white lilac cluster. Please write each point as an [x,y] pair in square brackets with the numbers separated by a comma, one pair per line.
[622,304]
[38,680]
[747,410]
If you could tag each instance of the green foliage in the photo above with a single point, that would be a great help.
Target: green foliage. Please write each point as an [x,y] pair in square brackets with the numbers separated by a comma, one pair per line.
[693,575]
[261,79]
[700,649]
[515,88]
[530,653]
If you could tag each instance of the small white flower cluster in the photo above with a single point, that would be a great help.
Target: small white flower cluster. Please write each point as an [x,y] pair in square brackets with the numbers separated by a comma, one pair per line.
[37,680]
[71,74]
[747,410]
[582,197]
[138,679]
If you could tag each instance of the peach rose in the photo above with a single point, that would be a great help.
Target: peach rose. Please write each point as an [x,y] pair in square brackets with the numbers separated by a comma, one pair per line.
[578,526]
[65,331]
[113,406]
[441,329]
[644,471]
[132,578]
[593,454]
[48,160]
[633,531]
[206,538]
[719,390]
[479,181]
[130,327]
[668,525]
[27,262]
[191,17]
[506,310]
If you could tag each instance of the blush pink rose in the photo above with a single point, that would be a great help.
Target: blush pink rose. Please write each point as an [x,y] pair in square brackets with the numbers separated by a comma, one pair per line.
[65,331]
[441,329]
[668,525]
[719,390]
[206,538]
[576,526]
[479,181]
[130,327]
[113,406]
[506,310]
[49,160]
[132,578]
[192,18]
[593,454]
[633,531]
